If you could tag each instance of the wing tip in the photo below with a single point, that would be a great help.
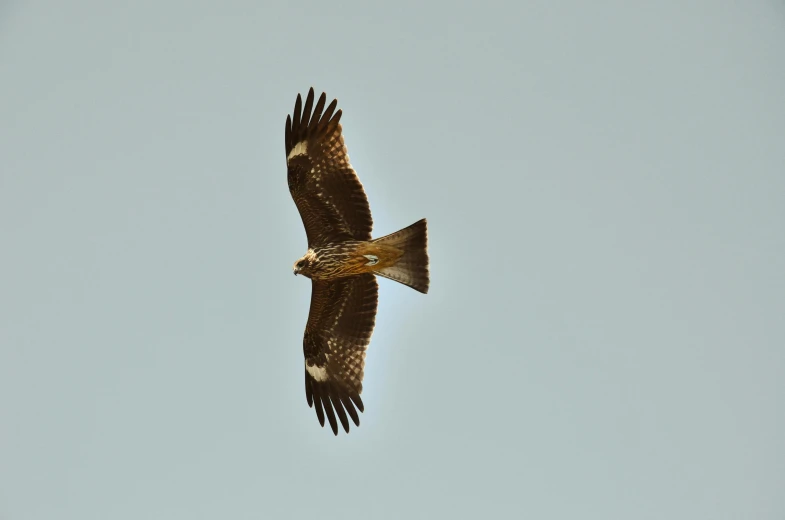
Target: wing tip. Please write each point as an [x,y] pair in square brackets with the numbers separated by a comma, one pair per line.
[333,403]
[308,120]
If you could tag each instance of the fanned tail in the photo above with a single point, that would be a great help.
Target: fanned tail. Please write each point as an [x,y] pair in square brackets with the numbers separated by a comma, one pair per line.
[412,268]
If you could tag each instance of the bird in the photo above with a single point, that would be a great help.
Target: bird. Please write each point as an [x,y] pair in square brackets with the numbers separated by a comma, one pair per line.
[342,260]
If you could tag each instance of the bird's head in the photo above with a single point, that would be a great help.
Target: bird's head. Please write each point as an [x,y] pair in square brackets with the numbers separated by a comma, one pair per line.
[304,264]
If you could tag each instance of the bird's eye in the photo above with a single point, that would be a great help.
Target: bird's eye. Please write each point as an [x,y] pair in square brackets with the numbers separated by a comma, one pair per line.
[300,263]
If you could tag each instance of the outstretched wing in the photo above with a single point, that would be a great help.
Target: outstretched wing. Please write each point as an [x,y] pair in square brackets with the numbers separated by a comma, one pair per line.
[340,324]
[325,188]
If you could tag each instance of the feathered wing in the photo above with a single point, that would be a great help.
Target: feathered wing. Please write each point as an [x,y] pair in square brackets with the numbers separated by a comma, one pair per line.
[340,324]
[323,184]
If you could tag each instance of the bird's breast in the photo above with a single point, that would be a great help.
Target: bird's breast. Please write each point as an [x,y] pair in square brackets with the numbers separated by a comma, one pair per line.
[352,258]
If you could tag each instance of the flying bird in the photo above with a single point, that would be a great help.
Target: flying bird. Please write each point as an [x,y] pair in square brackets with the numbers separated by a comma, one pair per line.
[342,260]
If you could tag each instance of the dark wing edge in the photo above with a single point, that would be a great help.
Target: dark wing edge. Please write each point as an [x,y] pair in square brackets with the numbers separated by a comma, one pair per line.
[328,194]
[339,329]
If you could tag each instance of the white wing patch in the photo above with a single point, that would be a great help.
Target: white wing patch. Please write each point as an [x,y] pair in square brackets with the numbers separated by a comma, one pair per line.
[318,373]
[300,148]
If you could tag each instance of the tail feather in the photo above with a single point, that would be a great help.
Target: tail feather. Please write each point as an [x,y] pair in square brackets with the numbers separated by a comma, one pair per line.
[412,268]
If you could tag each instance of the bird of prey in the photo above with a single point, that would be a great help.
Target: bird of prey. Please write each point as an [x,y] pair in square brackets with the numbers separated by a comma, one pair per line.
[342,259]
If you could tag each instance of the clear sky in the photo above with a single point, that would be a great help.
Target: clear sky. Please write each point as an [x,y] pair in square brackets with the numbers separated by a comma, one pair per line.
[605,188]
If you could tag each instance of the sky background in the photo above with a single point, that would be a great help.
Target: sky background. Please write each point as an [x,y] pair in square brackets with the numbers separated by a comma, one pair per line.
[605,189]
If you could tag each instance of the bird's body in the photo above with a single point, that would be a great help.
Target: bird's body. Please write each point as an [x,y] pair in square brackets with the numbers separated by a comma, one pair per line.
[342,260]
[346,259]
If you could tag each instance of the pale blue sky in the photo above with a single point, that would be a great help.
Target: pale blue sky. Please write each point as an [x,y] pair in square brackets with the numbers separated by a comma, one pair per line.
[605,188]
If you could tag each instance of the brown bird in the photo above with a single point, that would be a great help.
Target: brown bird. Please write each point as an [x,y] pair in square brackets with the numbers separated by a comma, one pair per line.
[342,259]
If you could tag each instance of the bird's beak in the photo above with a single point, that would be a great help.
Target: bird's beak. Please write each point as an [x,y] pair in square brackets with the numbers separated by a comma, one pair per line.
[296,271]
